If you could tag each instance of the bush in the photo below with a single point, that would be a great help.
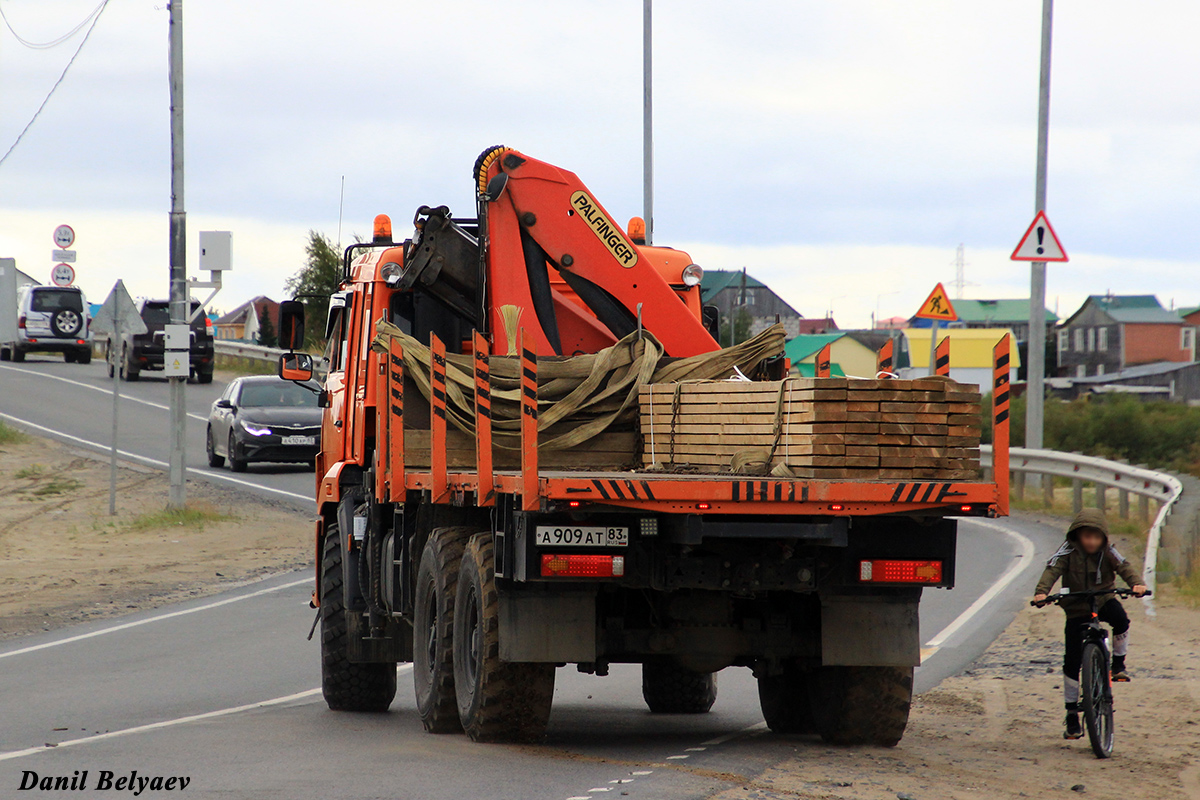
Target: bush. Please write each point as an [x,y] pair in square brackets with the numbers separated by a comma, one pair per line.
[1160,434]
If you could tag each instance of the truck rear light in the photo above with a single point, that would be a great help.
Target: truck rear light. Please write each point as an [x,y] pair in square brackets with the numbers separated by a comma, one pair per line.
[882,570]
[836,507]
[704,506]
[578,565]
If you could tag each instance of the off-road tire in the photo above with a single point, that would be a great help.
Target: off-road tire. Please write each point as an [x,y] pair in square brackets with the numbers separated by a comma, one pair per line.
[235,464]
[668,688]
[784,701]
[18,355]
[210,449]
[66,324]
[69,357]
[433,628]
[498,701]
[204,377]
[85,356]
[861,705]
[346,686]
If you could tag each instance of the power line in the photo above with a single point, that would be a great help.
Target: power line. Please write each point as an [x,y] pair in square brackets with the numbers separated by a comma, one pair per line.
[100,10]
[54,42]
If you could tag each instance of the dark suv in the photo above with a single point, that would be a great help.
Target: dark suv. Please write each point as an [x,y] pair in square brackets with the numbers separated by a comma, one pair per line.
[146,350]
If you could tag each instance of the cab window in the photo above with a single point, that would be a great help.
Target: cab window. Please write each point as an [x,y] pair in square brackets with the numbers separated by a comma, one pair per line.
[335,347]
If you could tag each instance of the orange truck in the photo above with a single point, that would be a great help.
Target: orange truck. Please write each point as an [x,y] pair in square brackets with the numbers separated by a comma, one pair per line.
[490,568]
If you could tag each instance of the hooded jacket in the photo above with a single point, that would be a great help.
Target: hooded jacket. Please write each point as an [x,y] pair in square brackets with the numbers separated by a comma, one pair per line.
[1082,572]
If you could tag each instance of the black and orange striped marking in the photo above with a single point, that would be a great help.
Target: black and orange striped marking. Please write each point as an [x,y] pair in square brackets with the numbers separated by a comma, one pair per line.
[942,358]
[437,419]
[483,421]
[395,424]
[825,361]
[885,360]
[527,346]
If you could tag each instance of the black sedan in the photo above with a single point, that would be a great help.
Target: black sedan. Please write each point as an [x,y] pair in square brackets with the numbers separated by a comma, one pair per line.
[263,418]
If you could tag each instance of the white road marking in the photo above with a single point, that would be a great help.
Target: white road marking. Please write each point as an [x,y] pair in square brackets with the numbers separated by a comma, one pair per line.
[152,462]
[97,389]
[695,749]
[171,723]
[642,772]
[156,618]
[1021,564]
[730,736]
[676,758]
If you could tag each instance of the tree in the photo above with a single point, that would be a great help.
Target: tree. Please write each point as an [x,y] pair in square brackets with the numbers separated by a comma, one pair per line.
[266,328]
[319,278]
[741,328]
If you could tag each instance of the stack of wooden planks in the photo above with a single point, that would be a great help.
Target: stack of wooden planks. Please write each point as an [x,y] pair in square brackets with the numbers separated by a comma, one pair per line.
[837,428]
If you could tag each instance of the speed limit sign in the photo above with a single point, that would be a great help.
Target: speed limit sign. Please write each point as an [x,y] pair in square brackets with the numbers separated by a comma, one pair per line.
[62,275]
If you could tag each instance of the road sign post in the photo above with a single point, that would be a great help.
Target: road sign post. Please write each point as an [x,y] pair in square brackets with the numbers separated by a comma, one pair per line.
[936,308]
[117,315]
[177,247]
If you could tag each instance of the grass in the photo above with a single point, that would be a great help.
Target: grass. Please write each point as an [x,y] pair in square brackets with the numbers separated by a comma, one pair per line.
[245,366]
[10,435]
[1189,585]
[193,517]
[56,486]
[31,473]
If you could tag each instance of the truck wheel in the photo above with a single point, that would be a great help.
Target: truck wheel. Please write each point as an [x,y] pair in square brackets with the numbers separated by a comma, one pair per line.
[670,689]
[861,705]
[346,686]
[498,701]
[784,701]
[433,629]
[18,355]
[128,371]
[5,354]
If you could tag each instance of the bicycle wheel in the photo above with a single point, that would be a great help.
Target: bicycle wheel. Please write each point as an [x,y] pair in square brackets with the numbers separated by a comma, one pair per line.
[1096,697]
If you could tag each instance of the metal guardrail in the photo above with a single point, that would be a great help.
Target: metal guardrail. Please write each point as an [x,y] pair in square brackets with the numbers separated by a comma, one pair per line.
[1125,478]
[226,347]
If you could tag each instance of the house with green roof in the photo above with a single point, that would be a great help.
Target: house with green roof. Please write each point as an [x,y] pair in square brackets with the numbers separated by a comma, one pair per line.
[1112,332]
[1011,313]
[733,290]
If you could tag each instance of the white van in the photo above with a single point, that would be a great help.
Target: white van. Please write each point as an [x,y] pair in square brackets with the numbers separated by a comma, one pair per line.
[51,319]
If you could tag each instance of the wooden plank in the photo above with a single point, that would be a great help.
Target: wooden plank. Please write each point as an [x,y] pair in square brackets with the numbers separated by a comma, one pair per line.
[963,430]
[877,439]
[915,408]
[913,429]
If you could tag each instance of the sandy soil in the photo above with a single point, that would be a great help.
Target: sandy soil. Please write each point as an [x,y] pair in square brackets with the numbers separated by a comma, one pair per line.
[995,732]
[63,559]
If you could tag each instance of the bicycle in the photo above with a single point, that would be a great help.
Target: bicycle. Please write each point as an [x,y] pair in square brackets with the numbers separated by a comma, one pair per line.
[1095,695]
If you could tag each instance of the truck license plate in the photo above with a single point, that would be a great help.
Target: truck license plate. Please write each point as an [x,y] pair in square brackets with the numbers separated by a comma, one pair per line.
[308,440]
[581,536]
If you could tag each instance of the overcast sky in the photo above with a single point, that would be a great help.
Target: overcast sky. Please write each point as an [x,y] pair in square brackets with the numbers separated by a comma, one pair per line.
[840,151]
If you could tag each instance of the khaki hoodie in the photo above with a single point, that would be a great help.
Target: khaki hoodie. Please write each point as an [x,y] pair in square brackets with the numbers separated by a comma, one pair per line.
[1082,572]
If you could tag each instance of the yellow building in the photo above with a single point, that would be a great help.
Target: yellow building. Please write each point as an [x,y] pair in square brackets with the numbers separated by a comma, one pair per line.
[970,353]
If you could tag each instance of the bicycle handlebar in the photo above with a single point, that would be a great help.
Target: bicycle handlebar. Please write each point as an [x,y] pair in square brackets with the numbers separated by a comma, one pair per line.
[1054,598]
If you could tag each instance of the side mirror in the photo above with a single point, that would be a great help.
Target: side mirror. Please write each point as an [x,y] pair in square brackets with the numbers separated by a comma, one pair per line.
[710,317]
[296,367]
[291,324]
[224,403]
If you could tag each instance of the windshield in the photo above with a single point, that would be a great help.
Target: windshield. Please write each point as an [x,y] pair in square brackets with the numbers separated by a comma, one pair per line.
[275,394]
[54,299]
[157,314]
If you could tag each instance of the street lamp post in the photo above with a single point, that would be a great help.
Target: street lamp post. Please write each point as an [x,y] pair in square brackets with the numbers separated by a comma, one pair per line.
[1036,355]
[177,246]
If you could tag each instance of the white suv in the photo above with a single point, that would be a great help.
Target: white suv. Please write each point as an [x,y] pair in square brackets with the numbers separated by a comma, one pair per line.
[51,319]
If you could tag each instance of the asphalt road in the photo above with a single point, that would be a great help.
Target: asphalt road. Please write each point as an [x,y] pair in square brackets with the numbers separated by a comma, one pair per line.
[224,690]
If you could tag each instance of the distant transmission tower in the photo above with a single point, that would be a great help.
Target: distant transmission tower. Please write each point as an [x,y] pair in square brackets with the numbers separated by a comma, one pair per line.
[960,272]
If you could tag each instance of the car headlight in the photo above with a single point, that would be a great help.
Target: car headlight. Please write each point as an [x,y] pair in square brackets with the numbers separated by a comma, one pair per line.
[391,272]
[692,275]
[255,431]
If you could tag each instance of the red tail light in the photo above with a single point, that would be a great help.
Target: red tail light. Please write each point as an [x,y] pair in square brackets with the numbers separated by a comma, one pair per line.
[21,322]
[578,565]
[894,571]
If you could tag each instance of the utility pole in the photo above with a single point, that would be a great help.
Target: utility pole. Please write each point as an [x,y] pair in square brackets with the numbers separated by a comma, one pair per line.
[960,272]
[647,124]
[178,256]
[1036,354]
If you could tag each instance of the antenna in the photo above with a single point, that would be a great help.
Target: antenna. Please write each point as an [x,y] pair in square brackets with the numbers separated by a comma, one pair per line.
[960,272]
[341,204]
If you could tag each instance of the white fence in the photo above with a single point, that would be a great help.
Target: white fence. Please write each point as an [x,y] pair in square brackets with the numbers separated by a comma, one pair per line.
[1103,474]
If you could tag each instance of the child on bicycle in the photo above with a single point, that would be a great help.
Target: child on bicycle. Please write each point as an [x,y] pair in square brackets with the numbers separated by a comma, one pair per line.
[1086,561]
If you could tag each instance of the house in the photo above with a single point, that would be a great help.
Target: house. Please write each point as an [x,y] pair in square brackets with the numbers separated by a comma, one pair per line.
[970,354]
[242,324]
[25,279]
[846,355]
[1110,333]
[1011,314]
[1165,380]
[731,290]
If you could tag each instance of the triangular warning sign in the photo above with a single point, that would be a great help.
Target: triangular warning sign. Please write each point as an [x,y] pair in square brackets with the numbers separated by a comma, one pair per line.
[937,306]
[1040,242]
